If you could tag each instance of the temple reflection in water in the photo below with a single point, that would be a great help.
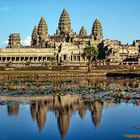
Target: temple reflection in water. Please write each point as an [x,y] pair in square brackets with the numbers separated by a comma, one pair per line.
[13,110]
[64,107]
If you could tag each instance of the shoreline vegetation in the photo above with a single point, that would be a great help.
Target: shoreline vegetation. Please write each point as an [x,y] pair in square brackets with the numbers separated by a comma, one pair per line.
[27,89]
[126,73]
[100,92]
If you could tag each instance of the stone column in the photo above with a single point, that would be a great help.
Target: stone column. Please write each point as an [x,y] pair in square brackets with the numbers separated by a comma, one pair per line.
[59,58]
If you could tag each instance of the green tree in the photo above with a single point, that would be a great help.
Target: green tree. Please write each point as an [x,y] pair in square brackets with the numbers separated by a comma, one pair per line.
[9,64]
[91,54]
[53,60]
[27,63]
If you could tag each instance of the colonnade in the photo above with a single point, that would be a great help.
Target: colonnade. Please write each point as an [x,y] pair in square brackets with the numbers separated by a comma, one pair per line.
[24,58]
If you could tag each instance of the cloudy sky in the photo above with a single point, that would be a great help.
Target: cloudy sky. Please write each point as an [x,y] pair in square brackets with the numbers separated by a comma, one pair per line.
[119,18]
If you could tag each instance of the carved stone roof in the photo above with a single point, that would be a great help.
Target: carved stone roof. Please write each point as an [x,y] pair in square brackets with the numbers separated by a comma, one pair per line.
[35,30]
[64,25]
[96,26]
[97,29]
[43,28]
[83,32]
[14,41]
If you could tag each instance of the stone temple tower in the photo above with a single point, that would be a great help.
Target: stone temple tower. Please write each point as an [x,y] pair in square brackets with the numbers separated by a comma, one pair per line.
[97,32]
[34,40]
[42,33]
[14,41]
[83,32]
[64,26]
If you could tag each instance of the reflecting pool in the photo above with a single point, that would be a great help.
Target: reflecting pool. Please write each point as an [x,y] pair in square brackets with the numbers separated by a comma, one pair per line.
[66,116]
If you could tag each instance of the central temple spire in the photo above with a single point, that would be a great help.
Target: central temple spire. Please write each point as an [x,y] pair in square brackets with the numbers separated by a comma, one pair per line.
[64,26]
[97,30]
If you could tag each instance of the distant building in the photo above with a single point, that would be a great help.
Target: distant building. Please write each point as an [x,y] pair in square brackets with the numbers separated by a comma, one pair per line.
[65,46]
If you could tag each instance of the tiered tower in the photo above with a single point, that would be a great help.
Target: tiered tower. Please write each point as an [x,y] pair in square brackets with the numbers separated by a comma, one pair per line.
[83,32]
[97,113]
[97,32]
[42,32]
[14,41]
[64,26]
[63,121]
[34,36]
[39,113]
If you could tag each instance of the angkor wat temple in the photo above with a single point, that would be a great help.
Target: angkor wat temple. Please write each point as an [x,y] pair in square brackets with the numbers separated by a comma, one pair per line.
[66,47]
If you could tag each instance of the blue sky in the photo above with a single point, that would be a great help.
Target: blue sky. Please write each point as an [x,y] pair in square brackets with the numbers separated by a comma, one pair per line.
[120,18]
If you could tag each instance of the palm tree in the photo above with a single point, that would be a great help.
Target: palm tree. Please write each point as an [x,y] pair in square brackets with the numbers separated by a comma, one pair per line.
[90,53]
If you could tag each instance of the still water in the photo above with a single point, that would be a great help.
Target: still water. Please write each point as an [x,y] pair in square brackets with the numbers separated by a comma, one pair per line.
[67,117]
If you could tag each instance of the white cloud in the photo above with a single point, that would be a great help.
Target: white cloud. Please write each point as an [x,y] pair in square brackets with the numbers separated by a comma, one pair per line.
[3,43]
[26,41]
[6,8]
[9,8]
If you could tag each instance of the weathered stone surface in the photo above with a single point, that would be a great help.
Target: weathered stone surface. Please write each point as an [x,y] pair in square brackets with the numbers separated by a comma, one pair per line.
[64,26]
[14,41]
[97,30]
[34,40]
[42,32]
[83,32]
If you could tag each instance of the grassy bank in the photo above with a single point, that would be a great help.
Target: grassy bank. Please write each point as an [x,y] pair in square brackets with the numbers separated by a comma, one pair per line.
[124,73]
[103,72]
[76,73]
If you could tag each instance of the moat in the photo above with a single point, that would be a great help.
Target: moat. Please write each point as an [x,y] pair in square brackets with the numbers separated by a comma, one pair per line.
[37,107]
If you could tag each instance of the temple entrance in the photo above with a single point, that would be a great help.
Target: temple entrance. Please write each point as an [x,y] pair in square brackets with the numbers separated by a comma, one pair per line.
[35,58]
[13,58]
[17,58]
[40,58]
[8,58]
[65,57]
[31,58]
[4,58]
[26,58]
[44,58]
[22,58]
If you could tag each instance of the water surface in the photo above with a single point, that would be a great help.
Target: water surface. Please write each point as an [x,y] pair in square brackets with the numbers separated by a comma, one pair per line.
[67,117]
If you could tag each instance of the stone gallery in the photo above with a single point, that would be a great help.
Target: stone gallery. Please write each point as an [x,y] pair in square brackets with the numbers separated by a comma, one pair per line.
[65,47]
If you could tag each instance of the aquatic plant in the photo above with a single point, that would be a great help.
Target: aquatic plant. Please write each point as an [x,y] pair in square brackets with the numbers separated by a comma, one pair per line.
[132,136]
[99,99]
